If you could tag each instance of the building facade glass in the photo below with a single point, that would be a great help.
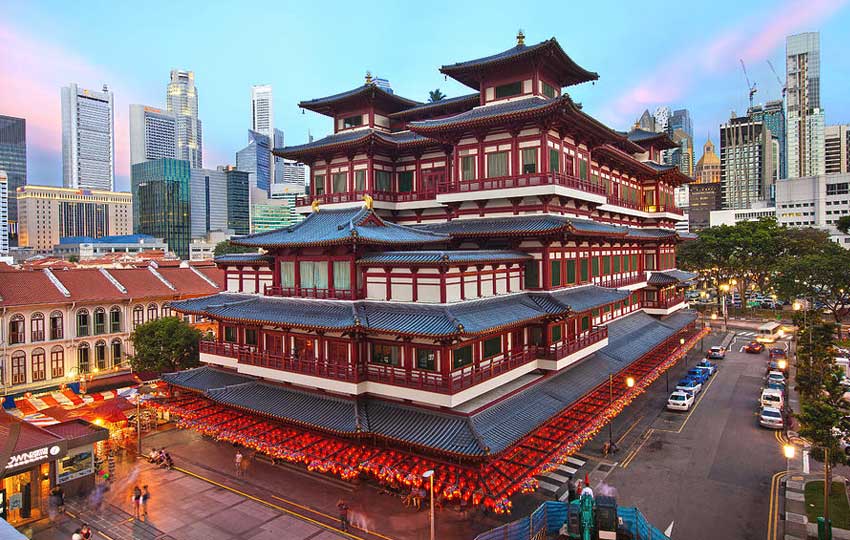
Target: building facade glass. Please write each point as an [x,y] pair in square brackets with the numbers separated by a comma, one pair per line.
[13,160]
[238,210]
[162,203]
[255,159]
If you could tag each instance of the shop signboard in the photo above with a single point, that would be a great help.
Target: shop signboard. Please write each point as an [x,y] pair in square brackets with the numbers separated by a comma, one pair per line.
[36,456]
[79,463]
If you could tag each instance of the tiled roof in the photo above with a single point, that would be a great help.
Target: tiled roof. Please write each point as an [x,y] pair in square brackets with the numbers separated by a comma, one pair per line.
[451,433]
[565,68]
[667,277]
[639,333]
[29,437]
[657,166]
[498,226]
[584,298]
[426,109]
[204,378]
[215,274]
[141,282]
[355,138]
[637,232]
[244,258]
[90,285]
[341,226]
[367,91]
[443,257]
[331,140]
[28,287]
[594,227]
[188,282]
[485,112]
[404,137]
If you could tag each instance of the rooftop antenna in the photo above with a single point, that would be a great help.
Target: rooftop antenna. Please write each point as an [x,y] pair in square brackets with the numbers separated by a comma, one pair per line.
[751,87]
[781,84]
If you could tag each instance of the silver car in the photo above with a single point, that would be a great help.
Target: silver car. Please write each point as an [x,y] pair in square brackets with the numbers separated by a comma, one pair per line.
[771,418]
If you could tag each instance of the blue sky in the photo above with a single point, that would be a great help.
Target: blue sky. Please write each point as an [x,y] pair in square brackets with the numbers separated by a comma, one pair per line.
[682,54]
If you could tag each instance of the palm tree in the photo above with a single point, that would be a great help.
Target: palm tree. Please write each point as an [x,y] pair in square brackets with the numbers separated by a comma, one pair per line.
[435,95]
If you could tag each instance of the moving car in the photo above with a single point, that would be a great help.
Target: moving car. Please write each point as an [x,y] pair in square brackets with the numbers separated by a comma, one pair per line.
[777,364]
[771,417]
[706,364]
[716,353]
[753,347]
[771,397]
[680,401]
[778,352]
[689,384]
[699,374]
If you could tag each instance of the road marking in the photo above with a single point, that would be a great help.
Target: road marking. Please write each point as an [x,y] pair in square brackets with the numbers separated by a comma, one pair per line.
[547,486]
[578,462]
[284,510]
[693,408]
[634,425]
[669,530]
[557,477]
[773,507]
[569,470]
[634,453]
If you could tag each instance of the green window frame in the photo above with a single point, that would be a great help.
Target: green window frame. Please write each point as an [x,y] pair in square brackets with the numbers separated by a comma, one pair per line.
[555,274]
[467,167]
[554,160]
[383,181]
[528,160]
[583,267]
[606,265]
[251,336]
[360,180]
[582,169]
[595,313]
[532,274]
[594,266]
[426,359]
[491,347]
[352,121]
[548,90]
[405,182]
[585,323]
[634,262]
[462,356]
[319,184]
[557,333]
[634,298]
[230,334]
[571,271]
[617,260]
[508,90]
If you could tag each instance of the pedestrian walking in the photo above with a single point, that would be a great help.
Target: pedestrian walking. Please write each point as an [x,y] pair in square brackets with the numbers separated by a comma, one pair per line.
[238,462]
[85,531]
[571,491]
[145,496]
[343,508]
[137,501]
[77,535]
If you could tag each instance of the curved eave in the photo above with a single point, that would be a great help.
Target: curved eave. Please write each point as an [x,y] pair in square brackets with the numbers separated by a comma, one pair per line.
[458,104]
[304,153]
[369,92]
[625,160]
[438,264]
[319,328]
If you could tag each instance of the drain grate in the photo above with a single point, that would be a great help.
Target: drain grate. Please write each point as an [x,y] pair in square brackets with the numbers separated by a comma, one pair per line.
[604,467]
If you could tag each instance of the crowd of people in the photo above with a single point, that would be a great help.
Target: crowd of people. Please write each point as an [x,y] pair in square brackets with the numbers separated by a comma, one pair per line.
[160,457]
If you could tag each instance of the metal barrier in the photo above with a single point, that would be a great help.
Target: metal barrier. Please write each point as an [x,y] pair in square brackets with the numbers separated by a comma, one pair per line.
[551,515]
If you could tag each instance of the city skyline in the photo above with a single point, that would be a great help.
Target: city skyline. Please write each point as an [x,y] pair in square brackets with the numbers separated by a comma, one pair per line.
[660,76]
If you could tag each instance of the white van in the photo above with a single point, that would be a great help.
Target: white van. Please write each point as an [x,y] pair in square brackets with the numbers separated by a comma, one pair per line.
[772,397]
[769,332]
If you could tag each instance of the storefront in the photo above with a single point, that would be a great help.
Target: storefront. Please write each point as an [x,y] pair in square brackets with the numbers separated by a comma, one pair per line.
[75,471]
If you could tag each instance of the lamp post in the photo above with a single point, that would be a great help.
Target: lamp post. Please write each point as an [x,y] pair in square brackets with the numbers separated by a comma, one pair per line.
[429,474]
[788,450]
[725,288]
[143,389]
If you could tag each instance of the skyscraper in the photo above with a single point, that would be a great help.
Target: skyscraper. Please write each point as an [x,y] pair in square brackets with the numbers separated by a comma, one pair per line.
[88,138]
[182,102]
[746,162]
[255,159]
[708,167]
[291,173]
[153,134]
[4,213]
[262,111]
[662,118]
[277,142]
[646,121]
[837,149]
[805,122]
[13,160]
[161,202]
[772,114]
[683,156]
[681,119]
[238,201]
[208,201]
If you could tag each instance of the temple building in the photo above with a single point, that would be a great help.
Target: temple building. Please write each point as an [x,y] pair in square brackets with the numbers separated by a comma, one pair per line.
[476,281]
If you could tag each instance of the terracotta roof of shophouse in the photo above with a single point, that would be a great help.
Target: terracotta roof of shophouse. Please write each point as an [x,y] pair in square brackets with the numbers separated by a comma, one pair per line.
[88,285]
[140,282]
[30,436]
[187,281]
[29,287]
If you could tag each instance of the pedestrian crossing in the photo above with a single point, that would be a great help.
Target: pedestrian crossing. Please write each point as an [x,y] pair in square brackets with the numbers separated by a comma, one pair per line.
[747,334]
[555,483]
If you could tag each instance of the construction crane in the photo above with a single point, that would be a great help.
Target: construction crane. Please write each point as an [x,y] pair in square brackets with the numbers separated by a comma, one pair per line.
[751,87]
[781,84]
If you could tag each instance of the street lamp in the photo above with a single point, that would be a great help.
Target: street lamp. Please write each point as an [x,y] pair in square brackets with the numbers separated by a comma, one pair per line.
[143,389]
[630,382]
[429,474]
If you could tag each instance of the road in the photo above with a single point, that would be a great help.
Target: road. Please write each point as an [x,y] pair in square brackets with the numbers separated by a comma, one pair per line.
[708,471]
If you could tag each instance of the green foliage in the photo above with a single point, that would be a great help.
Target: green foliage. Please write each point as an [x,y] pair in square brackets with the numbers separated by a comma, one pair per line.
[821,275]
[436,95]
[843,224]
[225,247]
[165,344]
[839,509]
[73,259]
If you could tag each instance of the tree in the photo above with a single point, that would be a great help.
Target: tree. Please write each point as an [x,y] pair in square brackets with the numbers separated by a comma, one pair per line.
[224,247]
[436,95]
[165,344]
[843,224]
[815,354]
[821,277]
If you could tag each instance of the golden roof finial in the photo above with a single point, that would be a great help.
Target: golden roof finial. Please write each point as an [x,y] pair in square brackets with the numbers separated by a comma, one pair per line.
[368,200]
[520,38]
[315,205]
[368,77]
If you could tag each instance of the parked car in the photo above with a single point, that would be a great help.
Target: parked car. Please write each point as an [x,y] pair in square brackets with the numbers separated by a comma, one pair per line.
[771,397]
[716,353]
[776,386]
[780,364]
[680,401]
[699,374]
[771,417]
[776,376]
[689,384]
[778,352]
[753,347]
[707,364]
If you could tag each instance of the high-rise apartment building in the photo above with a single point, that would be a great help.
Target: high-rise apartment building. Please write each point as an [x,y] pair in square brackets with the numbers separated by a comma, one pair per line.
[662,116]
[702,201]
[836,140]
[262,111]
[238,201]
[4,213]
[208,194]
[772,115]
[88,138]
[13,160]
[681,119]
[153,134]
[48,213]
[182,102]
[805,121]
[162,202]
[747,151]
[290,172]
[255,159]
[682,156]
[707,170]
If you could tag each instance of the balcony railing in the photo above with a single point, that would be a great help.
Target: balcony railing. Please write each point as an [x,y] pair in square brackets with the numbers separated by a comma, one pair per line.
[521,181]
[355,196]
[617,201]
[431,381]
[310,292]
[662,208]
[664,303]
[16,338]
[623,281]
[37,335]
[566,348]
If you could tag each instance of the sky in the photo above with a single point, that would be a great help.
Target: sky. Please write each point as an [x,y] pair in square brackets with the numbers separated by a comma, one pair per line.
[648,53]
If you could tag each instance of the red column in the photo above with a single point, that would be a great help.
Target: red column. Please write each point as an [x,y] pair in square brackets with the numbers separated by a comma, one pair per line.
[414,284]
[479,269]
[330,277]
[547,280]
[387,272]
[443,285]
[297,277]
[495,277]
[462,284]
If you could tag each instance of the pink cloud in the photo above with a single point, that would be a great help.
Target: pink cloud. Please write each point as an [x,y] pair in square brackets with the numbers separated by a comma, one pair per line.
[677,74]
[34,71]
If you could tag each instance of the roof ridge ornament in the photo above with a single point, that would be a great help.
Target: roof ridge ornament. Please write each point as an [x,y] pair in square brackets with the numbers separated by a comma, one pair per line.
[520,38]
[315,206]
[369,202]
[368,77]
